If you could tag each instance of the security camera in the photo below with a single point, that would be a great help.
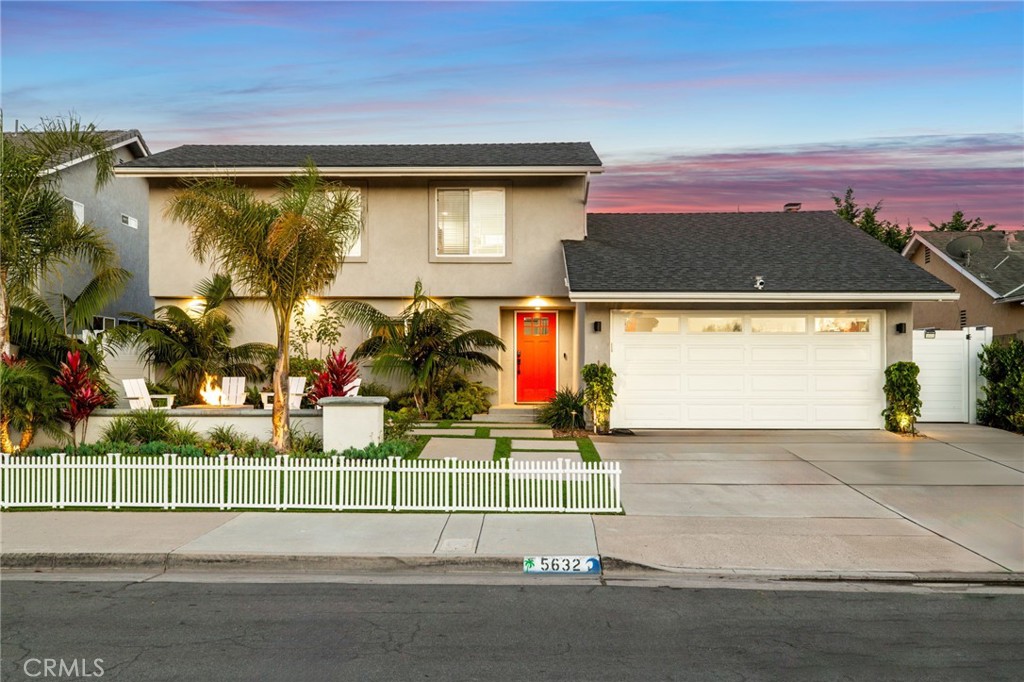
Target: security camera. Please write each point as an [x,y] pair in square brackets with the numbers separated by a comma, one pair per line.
[759,282]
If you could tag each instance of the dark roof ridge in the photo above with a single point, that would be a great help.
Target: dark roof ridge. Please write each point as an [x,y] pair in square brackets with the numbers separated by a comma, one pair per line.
[387,144]
[716,213]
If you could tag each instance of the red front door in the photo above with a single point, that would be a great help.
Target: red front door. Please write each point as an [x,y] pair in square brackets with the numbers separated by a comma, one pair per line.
[536,354]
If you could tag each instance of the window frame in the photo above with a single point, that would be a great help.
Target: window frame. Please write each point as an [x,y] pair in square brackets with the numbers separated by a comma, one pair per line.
[364,246]
[435,188]
[77,210]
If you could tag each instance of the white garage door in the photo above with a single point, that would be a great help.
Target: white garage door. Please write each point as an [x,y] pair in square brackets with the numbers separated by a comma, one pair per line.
[747,370]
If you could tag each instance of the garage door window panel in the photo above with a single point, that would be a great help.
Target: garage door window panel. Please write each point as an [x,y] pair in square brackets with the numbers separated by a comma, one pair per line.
[842,325]
[715,325]
[652,324]
[778,325]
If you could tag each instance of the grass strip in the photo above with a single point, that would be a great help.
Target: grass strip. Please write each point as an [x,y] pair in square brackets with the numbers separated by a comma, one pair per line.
[587,450]
[502,448]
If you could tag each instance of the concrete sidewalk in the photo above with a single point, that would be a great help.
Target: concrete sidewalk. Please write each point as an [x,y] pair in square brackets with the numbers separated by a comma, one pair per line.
[853,505]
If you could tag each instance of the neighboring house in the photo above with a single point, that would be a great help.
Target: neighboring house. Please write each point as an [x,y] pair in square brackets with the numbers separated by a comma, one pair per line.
[987,268]
[770,320]
[119,210]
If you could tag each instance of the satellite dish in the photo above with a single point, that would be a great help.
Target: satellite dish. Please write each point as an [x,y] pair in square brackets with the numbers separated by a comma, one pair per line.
[963,247]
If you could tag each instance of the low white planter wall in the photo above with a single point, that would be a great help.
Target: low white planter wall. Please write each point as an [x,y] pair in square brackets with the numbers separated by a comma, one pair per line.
[352,422]
[247,421]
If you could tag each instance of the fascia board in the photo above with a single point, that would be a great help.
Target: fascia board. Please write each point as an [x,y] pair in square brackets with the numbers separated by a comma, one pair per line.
[963,271]
[363,172]
[736,297]
[82,159]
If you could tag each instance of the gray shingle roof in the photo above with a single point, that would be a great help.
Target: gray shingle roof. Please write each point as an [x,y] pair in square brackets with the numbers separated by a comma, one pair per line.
[373,155]
[809,252]
[113,138]
[999,263]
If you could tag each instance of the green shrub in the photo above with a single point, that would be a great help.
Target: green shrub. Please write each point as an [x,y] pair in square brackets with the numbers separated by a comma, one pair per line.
[599,394]
[464,402]
[564,411]
[304,442]
[398,424]
[391,448]
[902,397]
[1002,365]
[224,439]
[120,430]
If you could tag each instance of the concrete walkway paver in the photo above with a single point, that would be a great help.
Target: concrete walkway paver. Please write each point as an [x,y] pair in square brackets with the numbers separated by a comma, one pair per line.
[568,445]
[521,433]
[479,449]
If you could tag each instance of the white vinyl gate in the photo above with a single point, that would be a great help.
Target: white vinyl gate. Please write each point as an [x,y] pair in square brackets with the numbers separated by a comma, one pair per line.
[950,379]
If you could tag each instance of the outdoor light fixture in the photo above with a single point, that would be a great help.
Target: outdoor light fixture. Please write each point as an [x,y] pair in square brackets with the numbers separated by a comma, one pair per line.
[597,326]
[901,327]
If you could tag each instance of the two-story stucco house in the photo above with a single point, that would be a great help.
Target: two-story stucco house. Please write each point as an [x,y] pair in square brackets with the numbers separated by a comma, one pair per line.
[767,320]
[480,221]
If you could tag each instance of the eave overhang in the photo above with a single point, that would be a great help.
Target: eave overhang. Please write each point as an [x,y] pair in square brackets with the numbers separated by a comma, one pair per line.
[757,297]
[362,171]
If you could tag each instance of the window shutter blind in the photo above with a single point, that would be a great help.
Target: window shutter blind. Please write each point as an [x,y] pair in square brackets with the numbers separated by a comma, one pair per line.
[453,222]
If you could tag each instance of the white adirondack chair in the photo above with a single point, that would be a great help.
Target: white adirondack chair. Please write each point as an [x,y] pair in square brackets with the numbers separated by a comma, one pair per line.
[233,389]
[139,397]
[296,389]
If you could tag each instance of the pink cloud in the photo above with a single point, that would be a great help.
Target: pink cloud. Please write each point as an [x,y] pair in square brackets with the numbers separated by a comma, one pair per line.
[918,179]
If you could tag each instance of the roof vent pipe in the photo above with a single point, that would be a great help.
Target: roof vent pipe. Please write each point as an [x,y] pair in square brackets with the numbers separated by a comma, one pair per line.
[792,207]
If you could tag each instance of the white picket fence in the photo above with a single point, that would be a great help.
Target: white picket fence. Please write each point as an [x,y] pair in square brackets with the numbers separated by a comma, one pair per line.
[227,482]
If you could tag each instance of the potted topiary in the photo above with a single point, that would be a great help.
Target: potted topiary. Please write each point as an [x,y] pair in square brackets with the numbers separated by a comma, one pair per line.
[599,393]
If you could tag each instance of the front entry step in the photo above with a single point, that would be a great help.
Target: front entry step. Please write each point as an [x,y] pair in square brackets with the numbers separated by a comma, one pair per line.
[513,414]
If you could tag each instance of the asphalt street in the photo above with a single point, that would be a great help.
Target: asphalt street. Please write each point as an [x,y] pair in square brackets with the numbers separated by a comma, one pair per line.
[142,631]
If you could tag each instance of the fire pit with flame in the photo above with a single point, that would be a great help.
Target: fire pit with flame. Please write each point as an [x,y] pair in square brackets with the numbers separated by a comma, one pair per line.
[211,394]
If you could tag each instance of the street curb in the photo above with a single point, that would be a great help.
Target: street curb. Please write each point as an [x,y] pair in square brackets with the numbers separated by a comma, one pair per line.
[613,567]
[298,563]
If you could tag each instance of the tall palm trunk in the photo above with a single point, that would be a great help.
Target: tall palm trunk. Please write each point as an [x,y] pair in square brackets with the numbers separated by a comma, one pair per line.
[5,317]
[5,436]
[26,437]
[282,435]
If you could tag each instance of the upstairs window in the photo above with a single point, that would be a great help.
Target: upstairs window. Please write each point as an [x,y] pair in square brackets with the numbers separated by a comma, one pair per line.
[471,222]
[77,209]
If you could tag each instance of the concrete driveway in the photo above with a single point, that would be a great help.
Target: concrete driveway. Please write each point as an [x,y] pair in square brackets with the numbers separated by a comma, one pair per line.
[950,500]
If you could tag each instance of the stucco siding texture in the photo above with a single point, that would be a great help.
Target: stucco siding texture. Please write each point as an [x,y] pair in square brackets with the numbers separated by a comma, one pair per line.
[103,209]
[397,245]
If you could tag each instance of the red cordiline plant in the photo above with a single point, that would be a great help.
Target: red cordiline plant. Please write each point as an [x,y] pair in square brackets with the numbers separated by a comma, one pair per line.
[339,373]
[84,394]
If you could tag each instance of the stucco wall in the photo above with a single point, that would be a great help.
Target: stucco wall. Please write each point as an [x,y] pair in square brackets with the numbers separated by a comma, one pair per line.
[253,322]
[1004,318]
[541,212]
[103,209]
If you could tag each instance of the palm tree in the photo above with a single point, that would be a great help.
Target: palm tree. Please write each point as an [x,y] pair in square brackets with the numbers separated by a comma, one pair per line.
[38,230]
[191,344]
[29,402]
[426,344]
[282,250]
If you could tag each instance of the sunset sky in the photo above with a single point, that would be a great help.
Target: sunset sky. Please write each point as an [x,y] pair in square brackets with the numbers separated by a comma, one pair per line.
[692,106]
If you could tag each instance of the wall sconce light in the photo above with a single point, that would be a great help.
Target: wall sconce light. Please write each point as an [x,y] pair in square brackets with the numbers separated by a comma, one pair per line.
[597,326]
[901,327]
